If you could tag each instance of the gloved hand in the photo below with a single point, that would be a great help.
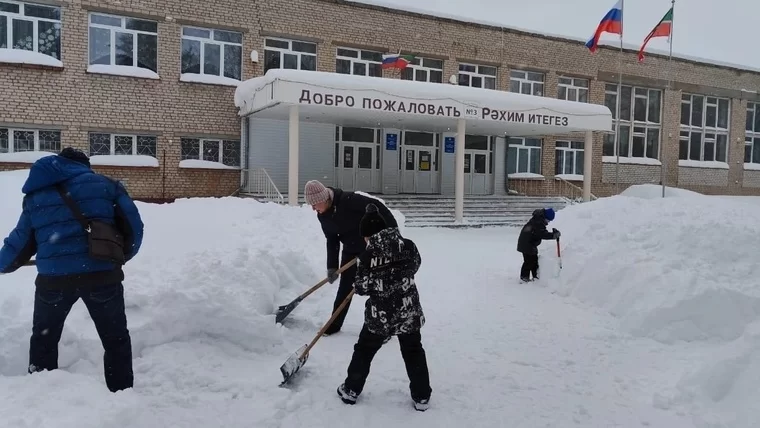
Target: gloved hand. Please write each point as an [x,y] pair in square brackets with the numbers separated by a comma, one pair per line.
[556,233]
[332,275]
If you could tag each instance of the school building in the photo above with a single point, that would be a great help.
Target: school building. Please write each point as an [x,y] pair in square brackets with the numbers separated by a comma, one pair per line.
[173,97]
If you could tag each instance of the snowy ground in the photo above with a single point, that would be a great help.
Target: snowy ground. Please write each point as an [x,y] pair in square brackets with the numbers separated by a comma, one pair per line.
[653,321]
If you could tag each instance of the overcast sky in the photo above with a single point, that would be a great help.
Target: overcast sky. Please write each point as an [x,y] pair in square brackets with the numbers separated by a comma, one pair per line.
[710,29]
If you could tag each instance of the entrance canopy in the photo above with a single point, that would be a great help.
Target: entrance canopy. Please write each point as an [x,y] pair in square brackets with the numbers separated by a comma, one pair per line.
[352,100]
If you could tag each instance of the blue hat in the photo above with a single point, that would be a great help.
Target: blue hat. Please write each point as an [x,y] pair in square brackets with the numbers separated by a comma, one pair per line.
[549,214]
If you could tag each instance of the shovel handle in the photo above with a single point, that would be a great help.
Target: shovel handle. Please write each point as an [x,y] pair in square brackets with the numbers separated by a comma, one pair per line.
[327,324]
[324,281]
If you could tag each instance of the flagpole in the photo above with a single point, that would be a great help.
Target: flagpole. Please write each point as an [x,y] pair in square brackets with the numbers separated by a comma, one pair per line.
[619,100]
[667,88]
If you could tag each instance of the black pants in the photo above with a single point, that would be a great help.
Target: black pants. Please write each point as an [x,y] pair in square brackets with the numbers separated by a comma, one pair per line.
[411,351]
[529,266]
[106,307]
[345,286]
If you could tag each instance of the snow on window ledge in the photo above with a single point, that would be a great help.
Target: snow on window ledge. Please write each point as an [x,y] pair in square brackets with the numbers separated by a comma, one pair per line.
[122,70]
[752,166]
[24,157]
[202,164]
[207,79]
[631,161]
[570,177]
[702,164]
[527,176]
[124,160]
[18,56]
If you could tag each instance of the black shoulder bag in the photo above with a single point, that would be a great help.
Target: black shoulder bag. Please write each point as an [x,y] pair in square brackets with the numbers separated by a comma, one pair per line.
[104,240]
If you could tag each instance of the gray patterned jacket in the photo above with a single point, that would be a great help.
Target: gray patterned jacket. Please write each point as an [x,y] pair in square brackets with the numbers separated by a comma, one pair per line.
[385,273]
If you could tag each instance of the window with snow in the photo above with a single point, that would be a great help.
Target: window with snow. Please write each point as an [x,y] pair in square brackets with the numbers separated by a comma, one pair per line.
[524,156]
[526,82]
[569,158]
[424,70]
[226,152]
[123,41]
[209,52]
[477,76]
[639,112]
[289,54]
[30,27]
[122,144]
[361,62]
[704,128]
[573,89]
[752,134]
[15,140]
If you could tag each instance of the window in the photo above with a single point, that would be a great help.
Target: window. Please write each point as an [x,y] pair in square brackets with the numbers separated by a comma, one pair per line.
[526,82]
[424,70]
[704,128]
[212,52]
[569,158]
[572,89]
[122,41]
[524,155]
[30,27]
[359,62]
[752,134]
[640,122]
[226,152]
[14,140]
[290,54]
[477,76]
[102,144]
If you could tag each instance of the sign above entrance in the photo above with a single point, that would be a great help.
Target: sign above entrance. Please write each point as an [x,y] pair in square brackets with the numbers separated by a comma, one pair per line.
[430,108]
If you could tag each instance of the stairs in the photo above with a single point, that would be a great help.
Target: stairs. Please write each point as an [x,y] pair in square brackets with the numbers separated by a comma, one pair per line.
[479,211]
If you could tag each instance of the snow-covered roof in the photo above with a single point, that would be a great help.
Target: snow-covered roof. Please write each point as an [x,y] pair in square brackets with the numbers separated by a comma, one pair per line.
[614,44]
[376,101]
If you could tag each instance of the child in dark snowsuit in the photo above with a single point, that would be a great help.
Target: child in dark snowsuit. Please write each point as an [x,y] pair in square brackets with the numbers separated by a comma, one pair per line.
[530,238]
[385,272]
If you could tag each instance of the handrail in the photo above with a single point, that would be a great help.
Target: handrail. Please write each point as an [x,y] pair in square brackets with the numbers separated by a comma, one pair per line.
[260,184]
[574,188]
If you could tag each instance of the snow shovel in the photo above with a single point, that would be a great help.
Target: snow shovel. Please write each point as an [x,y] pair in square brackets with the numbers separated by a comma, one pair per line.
[559,257]
[294,363]
[285,310]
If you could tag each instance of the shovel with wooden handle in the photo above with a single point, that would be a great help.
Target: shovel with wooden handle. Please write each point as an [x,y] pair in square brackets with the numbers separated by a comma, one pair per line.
[285,310]
[294,363]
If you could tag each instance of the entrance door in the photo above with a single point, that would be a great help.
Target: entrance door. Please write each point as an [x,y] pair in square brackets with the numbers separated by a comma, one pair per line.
[356,169]
[476,176]
[419,170]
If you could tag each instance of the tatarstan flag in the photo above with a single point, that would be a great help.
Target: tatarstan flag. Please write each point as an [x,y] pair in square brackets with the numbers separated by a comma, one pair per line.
[662,29]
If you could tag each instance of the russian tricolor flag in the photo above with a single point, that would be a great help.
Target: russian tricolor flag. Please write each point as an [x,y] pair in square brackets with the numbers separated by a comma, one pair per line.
[611,23]
[396,61]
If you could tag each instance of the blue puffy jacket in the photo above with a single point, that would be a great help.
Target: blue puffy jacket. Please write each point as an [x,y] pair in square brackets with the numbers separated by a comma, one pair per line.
[49,229]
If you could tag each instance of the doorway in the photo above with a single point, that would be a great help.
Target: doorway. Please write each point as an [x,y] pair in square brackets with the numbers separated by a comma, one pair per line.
[478,164]
[357,159]
[418,162]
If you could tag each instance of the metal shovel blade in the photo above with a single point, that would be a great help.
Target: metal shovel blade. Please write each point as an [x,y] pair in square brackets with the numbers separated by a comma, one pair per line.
[285,310]
[293,364]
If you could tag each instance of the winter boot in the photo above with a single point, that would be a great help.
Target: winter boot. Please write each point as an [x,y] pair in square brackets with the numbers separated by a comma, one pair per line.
[523,280]
[421,405]
[346,395]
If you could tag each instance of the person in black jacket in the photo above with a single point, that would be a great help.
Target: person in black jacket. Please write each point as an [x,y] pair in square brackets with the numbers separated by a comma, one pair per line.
[530,238]
[339,213]
[385,273]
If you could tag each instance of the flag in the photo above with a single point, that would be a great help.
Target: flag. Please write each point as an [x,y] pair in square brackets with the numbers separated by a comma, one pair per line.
[396,61]
[662,29]
[611,23]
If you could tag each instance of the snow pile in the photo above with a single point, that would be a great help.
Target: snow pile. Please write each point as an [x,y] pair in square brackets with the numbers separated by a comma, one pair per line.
[671,269]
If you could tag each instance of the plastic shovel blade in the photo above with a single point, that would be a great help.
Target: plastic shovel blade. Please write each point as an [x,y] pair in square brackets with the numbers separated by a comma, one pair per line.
[293,364]
[285,310]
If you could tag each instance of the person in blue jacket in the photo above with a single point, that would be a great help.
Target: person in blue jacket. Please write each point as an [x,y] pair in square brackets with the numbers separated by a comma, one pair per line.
[65,271]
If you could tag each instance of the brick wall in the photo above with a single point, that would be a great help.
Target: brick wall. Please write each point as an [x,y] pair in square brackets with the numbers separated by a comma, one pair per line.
[78,102]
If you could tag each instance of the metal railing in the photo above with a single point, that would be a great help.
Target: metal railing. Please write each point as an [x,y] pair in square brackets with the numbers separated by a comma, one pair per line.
[260,185]
[569,190]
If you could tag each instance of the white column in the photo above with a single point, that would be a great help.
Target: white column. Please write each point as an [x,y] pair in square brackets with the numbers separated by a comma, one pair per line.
[459,174]
[587,165]
[293,155]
